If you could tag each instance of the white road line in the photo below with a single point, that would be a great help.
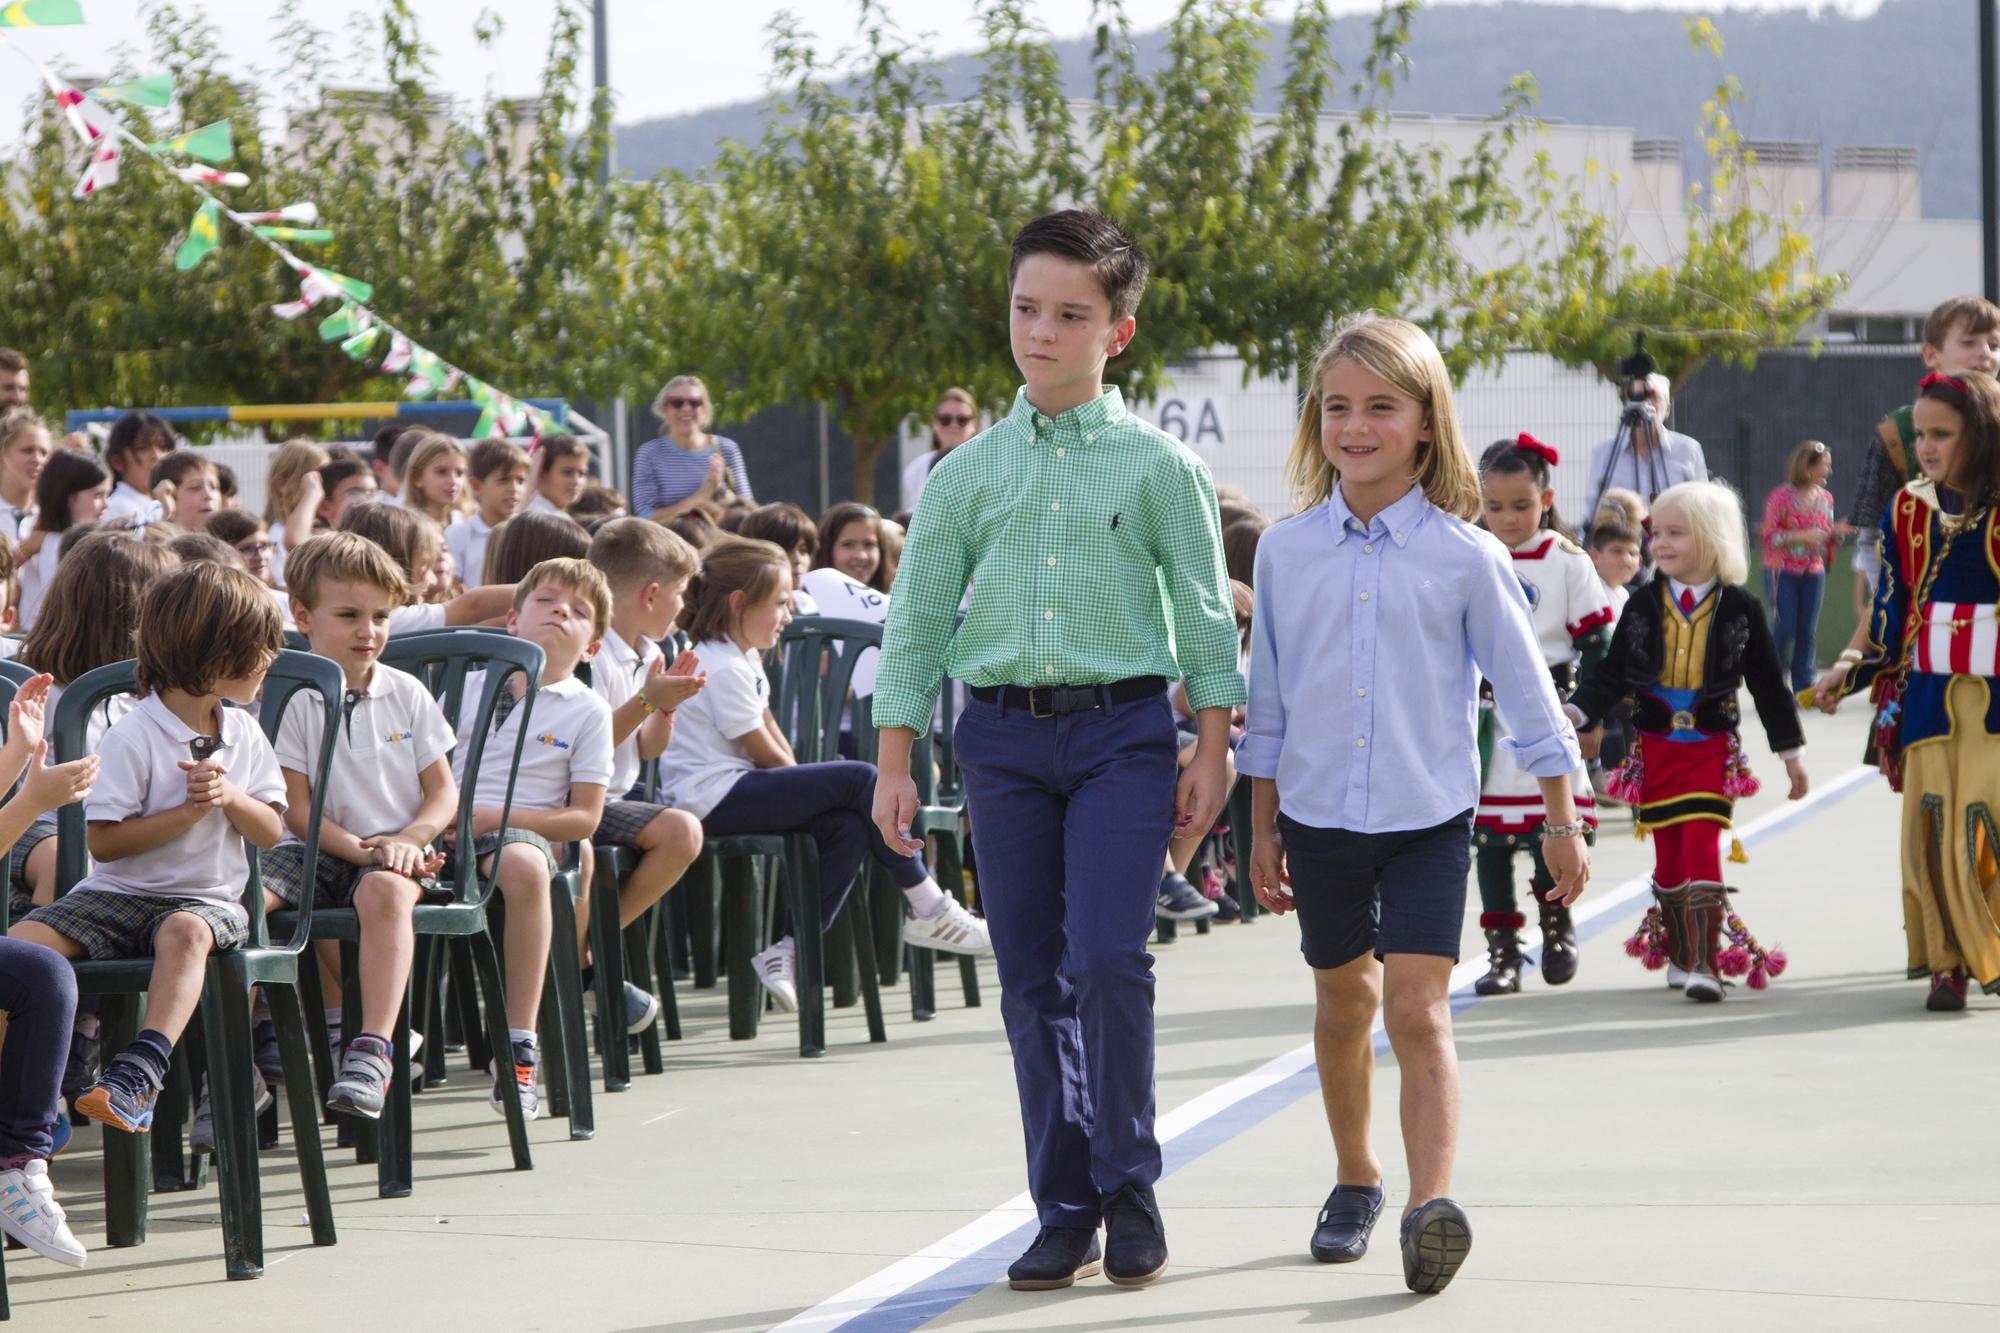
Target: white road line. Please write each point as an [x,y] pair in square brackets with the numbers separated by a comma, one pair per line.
[899,1277]
[658,1118]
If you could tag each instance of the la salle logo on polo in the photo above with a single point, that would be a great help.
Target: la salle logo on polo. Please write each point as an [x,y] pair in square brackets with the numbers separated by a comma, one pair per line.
[550,738]
[392,737]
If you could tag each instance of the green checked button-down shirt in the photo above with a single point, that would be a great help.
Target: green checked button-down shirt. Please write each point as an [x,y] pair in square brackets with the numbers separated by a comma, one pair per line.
[1092,547]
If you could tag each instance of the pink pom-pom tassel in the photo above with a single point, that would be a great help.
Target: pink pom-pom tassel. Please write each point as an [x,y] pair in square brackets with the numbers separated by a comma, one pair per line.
[1758,981]
[1655,959]
[1774,962]
[1741,787]
[1635,947]
[1733,962]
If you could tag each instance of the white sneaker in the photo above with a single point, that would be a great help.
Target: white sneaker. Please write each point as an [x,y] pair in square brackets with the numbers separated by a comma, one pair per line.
[1703,987]
[775,969]
[952,930]
[1677,978]
[30,1214]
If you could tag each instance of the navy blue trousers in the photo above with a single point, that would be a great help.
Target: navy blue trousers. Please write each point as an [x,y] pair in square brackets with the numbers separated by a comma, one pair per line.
[38,991]
[1073,815]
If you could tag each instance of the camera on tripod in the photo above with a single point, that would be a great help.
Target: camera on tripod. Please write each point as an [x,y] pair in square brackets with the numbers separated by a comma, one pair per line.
[1633,375]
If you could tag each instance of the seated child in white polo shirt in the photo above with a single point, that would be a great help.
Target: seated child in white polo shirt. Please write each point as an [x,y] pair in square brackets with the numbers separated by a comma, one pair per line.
[389,794]
[184,781]
[413,541]
[647,568]
[563,607]
[498,473]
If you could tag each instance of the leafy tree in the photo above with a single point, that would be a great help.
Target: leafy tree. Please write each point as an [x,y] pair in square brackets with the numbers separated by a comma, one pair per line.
[1744,280]
[856,255]
[486,238]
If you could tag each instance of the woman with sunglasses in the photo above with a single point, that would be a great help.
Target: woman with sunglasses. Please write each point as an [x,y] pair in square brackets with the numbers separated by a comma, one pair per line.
[1799,535]
[955,421]
[687,466]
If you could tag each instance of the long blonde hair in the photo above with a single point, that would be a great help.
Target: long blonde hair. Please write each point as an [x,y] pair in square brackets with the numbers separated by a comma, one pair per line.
[1715,518]
[1404,355]
[293,460]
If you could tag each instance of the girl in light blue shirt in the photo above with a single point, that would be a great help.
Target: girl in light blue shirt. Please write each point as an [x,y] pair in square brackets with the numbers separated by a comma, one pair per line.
[1379,607]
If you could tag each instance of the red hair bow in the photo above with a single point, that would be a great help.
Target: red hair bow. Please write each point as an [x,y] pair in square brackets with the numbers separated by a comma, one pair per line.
[1527,443]
[1941,381]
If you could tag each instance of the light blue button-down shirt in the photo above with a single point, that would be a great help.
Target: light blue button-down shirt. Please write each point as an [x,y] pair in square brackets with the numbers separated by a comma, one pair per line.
[1366,651]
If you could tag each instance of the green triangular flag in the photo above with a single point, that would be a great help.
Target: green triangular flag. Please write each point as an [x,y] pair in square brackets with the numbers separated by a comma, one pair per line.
[201,238]
[297,234]
[487,425]
[40,13]
[155,90]
[358,346]
[210,143]
[340,324]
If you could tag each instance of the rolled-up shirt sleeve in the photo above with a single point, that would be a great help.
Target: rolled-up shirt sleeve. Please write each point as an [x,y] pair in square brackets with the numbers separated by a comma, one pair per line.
[1502,638]
[1264,733]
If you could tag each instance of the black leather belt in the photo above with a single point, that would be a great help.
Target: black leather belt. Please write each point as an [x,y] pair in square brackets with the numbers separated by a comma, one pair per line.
[1057,700]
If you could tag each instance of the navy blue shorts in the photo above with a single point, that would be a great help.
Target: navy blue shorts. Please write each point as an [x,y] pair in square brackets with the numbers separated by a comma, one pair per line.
[1384,893]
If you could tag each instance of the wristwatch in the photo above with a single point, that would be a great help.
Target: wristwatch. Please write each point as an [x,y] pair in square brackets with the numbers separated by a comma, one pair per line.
[1576,830]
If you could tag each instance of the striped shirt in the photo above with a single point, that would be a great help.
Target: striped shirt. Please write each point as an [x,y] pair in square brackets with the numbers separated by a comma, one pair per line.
[665,474]
[1093,549]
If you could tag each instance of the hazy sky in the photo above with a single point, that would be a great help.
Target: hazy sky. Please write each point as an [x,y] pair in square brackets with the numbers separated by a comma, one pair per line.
[667,56]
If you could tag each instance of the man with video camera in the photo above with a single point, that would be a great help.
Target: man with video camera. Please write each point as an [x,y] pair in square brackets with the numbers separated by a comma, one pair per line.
[1644,456]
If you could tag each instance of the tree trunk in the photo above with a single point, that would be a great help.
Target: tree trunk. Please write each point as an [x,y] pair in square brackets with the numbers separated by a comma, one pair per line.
[866,452]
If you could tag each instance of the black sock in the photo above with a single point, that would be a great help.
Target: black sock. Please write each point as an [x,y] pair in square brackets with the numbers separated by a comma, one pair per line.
[152,1053]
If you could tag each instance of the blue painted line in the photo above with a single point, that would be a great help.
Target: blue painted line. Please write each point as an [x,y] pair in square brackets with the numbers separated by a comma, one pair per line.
[953,1286]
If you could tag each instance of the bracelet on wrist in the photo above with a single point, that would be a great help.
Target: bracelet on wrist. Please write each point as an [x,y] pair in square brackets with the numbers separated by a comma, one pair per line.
[1575,830]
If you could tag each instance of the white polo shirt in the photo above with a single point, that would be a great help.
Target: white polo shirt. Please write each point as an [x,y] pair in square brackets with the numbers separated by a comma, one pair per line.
[541,504]
[416,618]
[393,733]
[141,775]
[839,597]
[125,502]
[616,673]
[465,539]
[707,754]
[569,741]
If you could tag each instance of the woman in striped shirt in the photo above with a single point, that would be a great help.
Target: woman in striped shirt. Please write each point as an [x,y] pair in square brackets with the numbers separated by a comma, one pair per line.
[687,466]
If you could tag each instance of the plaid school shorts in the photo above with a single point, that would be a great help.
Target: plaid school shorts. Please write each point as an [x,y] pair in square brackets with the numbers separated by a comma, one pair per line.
[283,871]
[624,821]
[488,843]
[122,925]
[38,833]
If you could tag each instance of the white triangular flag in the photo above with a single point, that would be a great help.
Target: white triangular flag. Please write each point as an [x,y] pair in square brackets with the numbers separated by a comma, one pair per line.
[201,175]
[398,359]
[102,173]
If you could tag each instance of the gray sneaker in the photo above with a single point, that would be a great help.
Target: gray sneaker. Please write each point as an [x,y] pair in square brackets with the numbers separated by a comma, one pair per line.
[201,1134]
[1182,901]
[642,1009]
[363,1081]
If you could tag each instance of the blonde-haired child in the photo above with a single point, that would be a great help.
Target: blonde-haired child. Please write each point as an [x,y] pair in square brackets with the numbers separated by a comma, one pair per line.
[433,481]
[1378,610]
[293,490]
[1683,649]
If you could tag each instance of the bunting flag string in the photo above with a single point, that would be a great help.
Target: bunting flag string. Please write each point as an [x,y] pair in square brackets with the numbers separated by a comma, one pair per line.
[357,328]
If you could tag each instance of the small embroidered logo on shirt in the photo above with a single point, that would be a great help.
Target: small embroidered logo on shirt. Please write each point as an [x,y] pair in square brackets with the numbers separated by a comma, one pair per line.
[392,737]
[550,738]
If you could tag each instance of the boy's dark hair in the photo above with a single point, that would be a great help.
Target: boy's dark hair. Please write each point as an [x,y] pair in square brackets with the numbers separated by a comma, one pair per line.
[1976,313]
[411,539]
[387,437]
[564,446]
[1975,471]
[787,526]
[1089,238]
[11,360]
[176,466]
[225,480]
[93,602]
[342,557]
[755,569]
[1513,458]
[489,456]
[598,501]
[204,623]
[193,546]
[131,431]
[67,472]
[234,526]
[632,552]
[527,539]
[337,470]
[1613,531]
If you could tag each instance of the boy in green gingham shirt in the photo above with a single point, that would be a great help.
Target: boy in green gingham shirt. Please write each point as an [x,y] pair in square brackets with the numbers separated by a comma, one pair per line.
[1090,541]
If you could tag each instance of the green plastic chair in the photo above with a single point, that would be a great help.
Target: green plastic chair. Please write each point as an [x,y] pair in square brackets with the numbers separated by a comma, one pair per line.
[940,821]
[224,1012]
[443,663]
[625,953]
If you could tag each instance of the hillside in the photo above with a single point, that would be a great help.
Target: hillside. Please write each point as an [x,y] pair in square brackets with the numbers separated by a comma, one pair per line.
[1906,75]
